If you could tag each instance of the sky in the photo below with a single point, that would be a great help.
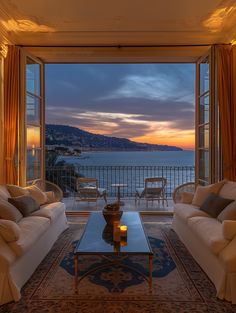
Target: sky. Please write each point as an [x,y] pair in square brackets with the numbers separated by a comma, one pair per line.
[152,103]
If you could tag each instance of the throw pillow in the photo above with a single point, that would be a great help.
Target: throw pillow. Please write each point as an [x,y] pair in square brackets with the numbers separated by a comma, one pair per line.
[9,212]
[228,190]
[25,204]
[214,204]
[187,197]
[16,191]
[37,194]
[229,213]
[9,230]
[50,196]
[202,192]
[4,194]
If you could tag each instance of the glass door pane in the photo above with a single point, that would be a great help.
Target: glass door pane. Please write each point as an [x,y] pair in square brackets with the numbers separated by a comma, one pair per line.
[203,120]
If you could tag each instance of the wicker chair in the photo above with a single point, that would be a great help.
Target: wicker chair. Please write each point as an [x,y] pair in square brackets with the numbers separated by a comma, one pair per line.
[188,187]
[45,185]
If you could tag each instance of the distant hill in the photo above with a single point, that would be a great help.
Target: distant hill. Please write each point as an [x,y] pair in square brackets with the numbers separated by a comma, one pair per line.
[78,138]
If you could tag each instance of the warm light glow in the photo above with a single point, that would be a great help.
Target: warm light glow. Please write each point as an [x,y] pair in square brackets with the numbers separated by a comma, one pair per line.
[33,137]
[180,138]
[123,230]
[217,18]
[26,26]
[4,50]
[233,42]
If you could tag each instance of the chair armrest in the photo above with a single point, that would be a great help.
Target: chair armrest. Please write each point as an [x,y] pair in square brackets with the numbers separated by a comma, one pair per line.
[7,256]
[229,229]
[228,256]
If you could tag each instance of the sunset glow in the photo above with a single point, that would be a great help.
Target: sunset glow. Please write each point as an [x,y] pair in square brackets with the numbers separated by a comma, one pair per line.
[146,103]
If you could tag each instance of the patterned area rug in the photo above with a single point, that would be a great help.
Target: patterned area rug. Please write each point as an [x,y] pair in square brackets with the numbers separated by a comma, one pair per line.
[179,284]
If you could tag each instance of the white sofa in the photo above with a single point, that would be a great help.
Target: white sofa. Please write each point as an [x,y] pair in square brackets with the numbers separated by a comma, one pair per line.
[20,258]
[211,242]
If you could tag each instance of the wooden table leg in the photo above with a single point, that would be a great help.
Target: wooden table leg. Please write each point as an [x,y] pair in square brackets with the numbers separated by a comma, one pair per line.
[150,273]
[76,272]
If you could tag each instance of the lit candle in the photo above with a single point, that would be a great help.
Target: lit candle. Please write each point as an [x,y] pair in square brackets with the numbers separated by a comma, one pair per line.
[123,231]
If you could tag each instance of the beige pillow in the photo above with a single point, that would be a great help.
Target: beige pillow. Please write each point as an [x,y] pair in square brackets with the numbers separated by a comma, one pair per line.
[9,211]
[202,192]
[228,190]
[229,229]
[50,196]
[9,230]
[229,213]
[37,194]
[4,193]
[187,197]
[16,191]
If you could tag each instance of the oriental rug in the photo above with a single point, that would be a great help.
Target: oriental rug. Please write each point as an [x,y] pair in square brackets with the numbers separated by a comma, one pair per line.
[179,284]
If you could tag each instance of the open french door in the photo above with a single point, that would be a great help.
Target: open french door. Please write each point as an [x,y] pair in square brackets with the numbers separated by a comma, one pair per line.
[207,125]
[31,119]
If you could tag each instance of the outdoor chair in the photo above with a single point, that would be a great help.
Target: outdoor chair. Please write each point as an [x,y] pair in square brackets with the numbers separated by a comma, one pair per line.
[187,187]
[154,189]
[87,190]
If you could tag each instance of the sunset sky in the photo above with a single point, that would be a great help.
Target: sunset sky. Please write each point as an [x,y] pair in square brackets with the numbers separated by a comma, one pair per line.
[151,103]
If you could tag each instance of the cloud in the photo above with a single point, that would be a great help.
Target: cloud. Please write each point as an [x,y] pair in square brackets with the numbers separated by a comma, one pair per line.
[122,100]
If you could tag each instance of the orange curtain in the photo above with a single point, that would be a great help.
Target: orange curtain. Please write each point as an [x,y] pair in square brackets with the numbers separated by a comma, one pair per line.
[226,62]
[11,100]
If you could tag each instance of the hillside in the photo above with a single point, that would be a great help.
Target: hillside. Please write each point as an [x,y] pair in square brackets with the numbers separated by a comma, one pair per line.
[78,138]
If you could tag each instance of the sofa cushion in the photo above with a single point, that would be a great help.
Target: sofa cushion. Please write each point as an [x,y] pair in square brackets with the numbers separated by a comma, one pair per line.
[185,211]
[229,213]
[214,204]
[202,192]
[228,190]
[51,211]
[37,194]
[31,228]
[4,193]
[9,211]
[9,230]
[210,231]
[25,204]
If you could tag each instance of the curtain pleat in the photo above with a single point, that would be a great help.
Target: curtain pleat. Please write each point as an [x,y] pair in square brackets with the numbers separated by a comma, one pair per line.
[11,100]
[226,62]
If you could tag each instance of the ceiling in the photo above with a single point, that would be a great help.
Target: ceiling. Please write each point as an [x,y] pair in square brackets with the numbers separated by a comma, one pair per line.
[123,22]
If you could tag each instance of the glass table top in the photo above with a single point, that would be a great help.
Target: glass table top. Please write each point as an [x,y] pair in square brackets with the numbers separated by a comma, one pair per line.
[98,237]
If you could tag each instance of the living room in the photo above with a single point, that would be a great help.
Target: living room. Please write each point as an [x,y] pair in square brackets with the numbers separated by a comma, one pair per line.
[121,261]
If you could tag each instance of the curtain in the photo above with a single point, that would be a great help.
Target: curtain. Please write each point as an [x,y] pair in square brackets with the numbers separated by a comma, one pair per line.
[11,100]
[226,62]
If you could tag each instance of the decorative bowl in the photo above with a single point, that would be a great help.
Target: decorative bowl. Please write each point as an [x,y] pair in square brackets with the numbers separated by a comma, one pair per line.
[111,216]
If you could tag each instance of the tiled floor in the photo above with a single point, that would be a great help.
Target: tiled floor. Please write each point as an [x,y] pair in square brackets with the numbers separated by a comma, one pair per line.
[129,205]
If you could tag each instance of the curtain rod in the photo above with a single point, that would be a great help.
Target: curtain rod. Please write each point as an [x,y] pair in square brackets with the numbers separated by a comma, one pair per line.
[116,46]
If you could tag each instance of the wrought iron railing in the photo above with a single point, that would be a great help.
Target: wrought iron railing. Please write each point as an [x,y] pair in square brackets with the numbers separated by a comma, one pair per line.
[132,176]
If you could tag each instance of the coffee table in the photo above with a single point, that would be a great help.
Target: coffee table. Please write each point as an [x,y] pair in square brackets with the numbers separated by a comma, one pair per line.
[95,241]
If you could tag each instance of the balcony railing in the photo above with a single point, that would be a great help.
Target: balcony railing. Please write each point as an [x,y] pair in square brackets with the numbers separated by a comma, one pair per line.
[132,176]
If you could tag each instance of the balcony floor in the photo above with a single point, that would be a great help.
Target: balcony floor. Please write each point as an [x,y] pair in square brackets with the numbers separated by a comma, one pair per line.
[73,205]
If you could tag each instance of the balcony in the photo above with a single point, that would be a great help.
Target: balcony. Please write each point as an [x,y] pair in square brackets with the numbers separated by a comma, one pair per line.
[132,176]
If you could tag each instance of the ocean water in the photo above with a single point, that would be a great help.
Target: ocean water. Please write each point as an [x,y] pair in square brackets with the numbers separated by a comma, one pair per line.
[131,168]
[133,158]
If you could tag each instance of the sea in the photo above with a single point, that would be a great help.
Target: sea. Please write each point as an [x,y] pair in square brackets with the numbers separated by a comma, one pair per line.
[133,158]
[132,167]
